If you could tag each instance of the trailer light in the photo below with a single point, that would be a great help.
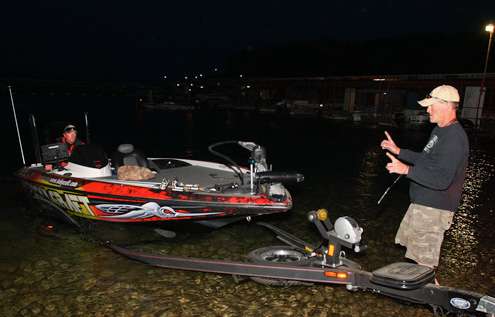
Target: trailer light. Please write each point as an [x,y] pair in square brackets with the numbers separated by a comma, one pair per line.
[342,275]
[331,249]
[339,275]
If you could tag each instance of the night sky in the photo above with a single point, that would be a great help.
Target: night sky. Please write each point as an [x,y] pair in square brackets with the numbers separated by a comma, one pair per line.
[144,39]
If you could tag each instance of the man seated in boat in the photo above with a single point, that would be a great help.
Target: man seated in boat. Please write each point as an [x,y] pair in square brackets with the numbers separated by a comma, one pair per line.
[69,137]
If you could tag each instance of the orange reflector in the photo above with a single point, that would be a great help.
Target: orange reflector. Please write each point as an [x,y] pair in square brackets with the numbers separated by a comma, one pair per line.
[322,214]
[340,275]
[331,249]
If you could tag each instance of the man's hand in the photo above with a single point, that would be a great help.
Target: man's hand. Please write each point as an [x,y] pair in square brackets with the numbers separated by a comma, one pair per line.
[389,144]
[396,166]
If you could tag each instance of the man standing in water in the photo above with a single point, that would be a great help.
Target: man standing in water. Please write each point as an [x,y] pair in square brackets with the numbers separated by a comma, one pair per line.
[436,178]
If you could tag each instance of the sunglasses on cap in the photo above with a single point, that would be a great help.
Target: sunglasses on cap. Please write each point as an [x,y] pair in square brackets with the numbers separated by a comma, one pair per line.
[70,130]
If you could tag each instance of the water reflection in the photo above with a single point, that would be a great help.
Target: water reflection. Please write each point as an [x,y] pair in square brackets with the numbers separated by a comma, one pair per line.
[460,252]
[371,167]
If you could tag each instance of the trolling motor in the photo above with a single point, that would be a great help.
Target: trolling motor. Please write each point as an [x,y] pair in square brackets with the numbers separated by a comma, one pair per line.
[257,161]
[278,177]
[258,156]
[259,171]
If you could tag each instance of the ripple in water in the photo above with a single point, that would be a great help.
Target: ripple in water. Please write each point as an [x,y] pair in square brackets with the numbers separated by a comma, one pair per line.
[463,237]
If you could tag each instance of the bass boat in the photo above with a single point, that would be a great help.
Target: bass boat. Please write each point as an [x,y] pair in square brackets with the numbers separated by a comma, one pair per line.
[210,193]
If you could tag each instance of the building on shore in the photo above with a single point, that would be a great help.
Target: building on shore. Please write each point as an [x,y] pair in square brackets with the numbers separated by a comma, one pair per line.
[381,97]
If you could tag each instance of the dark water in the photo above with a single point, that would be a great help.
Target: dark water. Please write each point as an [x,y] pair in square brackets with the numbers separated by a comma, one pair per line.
[344,168]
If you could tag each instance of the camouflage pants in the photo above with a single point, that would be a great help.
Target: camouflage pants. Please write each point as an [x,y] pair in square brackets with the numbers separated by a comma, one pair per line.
[421,232]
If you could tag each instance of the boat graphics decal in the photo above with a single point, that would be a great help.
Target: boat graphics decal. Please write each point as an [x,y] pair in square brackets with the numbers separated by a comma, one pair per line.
[81,197]
[137,193]
[148,210]
[78,204]
[63,182]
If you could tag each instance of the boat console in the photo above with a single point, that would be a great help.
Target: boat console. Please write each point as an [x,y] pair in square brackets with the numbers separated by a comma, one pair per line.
[54,153]
[86,161]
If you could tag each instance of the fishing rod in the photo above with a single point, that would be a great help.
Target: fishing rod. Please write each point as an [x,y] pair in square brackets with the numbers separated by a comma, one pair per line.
[388,189]
[17,126]
[35,137]
[86,122]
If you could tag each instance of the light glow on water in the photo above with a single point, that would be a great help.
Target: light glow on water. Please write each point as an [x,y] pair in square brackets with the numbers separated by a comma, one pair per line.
[463,237]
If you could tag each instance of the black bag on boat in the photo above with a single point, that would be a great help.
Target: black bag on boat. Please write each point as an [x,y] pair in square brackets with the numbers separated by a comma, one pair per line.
[90,155]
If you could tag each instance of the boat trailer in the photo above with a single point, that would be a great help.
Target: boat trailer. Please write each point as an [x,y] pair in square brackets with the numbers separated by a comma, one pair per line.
[299,262]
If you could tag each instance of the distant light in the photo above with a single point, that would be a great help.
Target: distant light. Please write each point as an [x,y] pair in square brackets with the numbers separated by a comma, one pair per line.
[195,77]
[321,105]
[192,85]
[200,75]
[248,86]
[201,87]
[378,79]
[178,85]
[185,77]
[164,76]
[385,93]
[140,99]
[218,84]
[489,28]
[215,69]
[240,76]
[189,89]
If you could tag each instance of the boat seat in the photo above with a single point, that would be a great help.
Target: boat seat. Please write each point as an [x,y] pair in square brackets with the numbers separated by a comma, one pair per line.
[130,164]
[127,154]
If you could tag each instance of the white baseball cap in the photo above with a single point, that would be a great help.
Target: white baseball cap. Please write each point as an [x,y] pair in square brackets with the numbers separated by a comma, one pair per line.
[443,93]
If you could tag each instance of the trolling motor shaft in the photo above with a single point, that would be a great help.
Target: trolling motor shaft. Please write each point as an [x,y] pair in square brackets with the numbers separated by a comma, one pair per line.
[278,177]
[260,173]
